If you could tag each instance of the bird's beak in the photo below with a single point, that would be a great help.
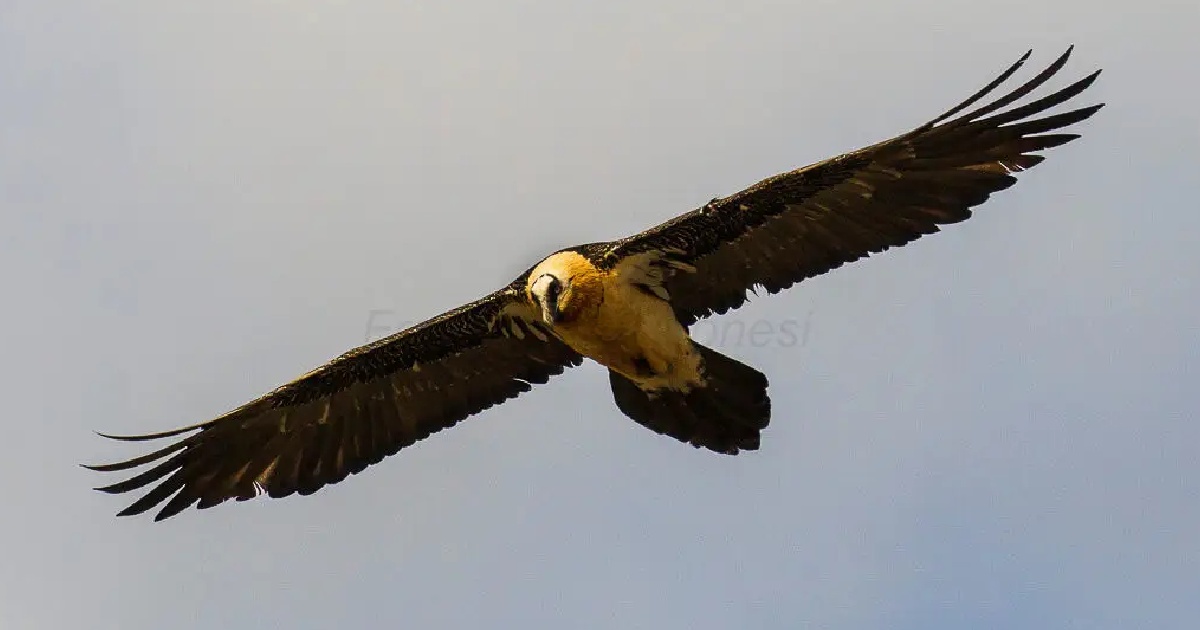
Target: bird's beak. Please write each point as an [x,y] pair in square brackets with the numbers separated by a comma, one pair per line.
[550,312]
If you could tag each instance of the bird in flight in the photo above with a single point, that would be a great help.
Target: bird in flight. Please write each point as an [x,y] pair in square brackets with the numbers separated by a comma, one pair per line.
[625,304]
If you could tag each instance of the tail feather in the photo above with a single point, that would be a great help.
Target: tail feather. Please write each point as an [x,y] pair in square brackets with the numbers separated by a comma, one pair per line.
[726,415]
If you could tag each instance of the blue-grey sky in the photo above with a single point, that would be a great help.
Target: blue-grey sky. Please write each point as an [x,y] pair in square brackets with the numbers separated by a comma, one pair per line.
[994,427]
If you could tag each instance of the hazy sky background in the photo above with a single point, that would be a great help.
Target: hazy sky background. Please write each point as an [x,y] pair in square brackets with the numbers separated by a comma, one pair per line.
[994,427]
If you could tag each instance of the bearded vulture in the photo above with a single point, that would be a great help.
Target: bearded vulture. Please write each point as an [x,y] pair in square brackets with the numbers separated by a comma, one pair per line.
[626,304]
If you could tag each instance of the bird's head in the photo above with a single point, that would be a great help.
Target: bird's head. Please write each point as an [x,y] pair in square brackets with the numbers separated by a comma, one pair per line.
[563,287]
[548,293]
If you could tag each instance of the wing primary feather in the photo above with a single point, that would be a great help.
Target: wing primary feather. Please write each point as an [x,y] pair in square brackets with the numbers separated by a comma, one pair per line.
[154,436]
[1046,102]
[1024,89]
[137,461]
[154,496]
[1052,122]
[147,476]
[984,91]
[183,499]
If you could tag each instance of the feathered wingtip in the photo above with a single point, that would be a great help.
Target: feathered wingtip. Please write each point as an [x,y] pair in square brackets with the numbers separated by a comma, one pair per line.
[1027,87]
[150,475]
[138,461]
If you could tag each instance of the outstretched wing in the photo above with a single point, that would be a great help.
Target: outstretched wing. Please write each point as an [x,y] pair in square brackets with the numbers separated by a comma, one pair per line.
[806,222]
[354,411]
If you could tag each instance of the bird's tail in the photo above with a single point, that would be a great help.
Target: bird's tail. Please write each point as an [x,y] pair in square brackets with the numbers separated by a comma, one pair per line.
[725,415]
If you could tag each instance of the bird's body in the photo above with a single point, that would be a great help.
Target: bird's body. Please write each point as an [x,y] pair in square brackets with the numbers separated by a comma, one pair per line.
[626,304]
[609,318]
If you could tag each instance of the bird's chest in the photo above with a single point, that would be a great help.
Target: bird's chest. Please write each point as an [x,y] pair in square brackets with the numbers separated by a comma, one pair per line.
[605,332]
[629,331]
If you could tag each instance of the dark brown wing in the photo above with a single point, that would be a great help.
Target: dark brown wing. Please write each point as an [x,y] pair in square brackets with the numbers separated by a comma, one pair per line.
[806,222]
[354,411]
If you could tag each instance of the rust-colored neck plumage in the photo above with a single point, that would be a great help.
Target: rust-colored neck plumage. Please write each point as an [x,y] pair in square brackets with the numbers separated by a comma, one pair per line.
[582,284]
